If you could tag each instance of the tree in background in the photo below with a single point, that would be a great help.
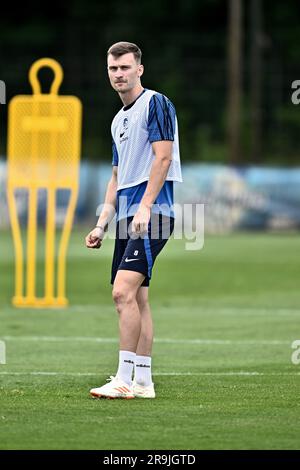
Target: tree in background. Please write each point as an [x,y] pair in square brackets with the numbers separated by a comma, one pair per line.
[185,55]
[234,80]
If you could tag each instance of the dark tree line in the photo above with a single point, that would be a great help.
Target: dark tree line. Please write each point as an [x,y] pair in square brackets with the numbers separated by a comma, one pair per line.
[186,56]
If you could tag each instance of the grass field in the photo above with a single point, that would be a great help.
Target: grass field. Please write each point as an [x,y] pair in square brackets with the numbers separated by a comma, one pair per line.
[225,318]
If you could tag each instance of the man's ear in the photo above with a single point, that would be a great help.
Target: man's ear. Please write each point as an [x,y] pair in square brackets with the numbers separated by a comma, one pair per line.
[140,70]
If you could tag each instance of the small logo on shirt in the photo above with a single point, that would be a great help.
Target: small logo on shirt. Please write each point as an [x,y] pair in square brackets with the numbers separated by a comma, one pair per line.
[127,260]
[125,123]
[125,128]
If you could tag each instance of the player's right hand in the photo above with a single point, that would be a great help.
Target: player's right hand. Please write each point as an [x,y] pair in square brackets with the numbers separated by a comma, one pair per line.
[94,238]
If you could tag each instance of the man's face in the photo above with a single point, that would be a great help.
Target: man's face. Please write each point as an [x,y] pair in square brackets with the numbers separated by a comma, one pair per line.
[124,73]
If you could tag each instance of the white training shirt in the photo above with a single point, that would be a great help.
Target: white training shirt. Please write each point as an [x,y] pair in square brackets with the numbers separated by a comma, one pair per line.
[131,138]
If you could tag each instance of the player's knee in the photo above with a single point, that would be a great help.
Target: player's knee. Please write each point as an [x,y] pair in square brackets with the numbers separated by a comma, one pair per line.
[121,296]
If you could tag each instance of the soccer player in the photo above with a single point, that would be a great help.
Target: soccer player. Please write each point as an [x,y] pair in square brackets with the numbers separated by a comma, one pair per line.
[145,163]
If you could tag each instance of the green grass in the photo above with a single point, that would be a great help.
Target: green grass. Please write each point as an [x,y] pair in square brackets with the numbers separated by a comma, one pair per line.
[225,318]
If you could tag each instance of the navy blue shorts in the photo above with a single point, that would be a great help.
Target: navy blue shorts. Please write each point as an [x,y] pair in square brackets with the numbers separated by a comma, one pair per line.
[138,253]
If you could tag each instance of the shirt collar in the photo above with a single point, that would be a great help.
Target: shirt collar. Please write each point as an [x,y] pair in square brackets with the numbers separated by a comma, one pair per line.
[131,104]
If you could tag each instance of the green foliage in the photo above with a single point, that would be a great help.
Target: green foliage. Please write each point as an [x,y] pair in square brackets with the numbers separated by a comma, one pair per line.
[184,47]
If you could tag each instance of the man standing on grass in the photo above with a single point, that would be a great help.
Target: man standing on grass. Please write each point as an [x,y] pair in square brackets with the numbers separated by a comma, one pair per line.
[145,163]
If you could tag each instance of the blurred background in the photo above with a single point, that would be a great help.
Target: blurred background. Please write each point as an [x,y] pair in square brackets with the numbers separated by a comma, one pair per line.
[228,66]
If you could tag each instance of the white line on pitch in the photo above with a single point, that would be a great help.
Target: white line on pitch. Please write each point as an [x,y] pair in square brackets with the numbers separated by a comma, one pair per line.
[209,309]
[94,374]
[95,339]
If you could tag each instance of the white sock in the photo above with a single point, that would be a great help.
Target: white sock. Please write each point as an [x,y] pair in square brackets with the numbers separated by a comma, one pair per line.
[142,370]
[126,364]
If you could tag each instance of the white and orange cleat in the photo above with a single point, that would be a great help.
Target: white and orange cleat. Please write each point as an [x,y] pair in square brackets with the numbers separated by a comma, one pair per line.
[116,388]
[141,391]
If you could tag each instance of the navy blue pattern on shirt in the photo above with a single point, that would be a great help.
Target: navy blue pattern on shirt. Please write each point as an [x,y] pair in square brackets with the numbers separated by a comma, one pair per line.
[161,119]
[115,156]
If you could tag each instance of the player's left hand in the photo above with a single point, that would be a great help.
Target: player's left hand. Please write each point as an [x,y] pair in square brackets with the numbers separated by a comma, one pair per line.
[141,219]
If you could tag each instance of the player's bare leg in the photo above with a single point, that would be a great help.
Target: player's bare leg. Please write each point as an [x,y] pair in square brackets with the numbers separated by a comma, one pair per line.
[144,347]
[126,286]
[143,386]
[125,290]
